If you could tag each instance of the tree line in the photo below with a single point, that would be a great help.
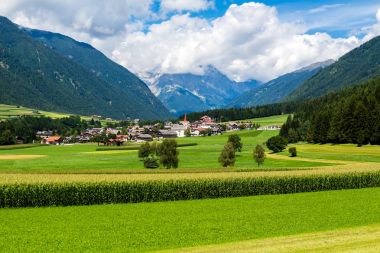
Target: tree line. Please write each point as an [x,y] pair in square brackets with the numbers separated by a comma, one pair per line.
[232,114]
[24,128]
[349,116]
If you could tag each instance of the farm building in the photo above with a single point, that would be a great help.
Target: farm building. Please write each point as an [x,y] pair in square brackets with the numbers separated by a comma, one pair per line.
[53,140]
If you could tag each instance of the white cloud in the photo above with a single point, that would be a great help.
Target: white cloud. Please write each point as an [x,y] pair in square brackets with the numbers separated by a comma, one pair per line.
[84,19]
[326,7]
[249,41]
[378,15]
[185,5]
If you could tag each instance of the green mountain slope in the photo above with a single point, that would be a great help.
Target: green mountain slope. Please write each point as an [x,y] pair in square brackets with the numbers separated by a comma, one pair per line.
[274,91]
[34,75]
[358,65]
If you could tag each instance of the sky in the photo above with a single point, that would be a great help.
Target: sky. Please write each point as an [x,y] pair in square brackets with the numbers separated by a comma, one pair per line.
[243,39]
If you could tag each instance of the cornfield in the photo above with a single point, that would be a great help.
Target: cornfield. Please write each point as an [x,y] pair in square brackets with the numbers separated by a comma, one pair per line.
[68,194]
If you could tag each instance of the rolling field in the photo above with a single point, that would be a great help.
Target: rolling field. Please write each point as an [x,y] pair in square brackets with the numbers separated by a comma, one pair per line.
[9,111]
[329,221]
[272,120]
[183,224]
[85,158]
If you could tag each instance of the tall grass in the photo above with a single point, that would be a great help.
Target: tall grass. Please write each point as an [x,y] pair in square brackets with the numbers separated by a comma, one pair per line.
[68,194]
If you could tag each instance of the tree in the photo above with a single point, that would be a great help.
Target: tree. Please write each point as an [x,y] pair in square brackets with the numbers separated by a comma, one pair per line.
[188,132]
[259,155]
[97,138]
[293,151]
[148,154]
[144,150]
[168,153]
[276,144]
[236,142]
[227,157]
[206,132]
[7,138]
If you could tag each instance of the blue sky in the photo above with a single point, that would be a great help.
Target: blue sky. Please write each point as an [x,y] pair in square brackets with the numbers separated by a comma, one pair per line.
[244,39]
[338,18]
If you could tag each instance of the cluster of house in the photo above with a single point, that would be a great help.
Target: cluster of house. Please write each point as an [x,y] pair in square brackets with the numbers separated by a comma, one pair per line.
[202,127]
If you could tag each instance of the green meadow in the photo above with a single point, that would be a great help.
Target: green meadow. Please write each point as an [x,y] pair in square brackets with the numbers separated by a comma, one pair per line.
[272,120]
[327,221]
[175,225]
[84,157]
[9,111]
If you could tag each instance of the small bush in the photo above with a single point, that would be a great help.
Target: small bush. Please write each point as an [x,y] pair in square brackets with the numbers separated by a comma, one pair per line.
[151,162]
[293,151]
[276,144]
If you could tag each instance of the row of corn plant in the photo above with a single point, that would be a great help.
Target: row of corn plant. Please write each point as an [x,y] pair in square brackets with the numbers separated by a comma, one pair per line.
[68,194]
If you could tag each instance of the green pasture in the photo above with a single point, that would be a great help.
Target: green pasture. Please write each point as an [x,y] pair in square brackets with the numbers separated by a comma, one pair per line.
[272,120]
[12,111]
[344,152]
[9,111]
[84,157]
[173,225]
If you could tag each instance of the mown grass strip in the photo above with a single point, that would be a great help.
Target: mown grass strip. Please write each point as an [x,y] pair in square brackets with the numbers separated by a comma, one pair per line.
[69,194]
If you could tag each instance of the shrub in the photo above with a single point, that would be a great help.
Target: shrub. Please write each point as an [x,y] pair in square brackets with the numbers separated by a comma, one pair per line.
[276,144]
[293,151]
[236,142]
[259,155]
[227,157]
[151,162]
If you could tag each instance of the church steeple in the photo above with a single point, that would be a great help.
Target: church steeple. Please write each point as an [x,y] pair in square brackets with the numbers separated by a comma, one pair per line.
[185,121]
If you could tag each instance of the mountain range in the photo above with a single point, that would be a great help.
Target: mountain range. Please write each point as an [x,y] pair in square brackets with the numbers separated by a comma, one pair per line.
[186,92]
[356,66]
[52,72]
[276,90]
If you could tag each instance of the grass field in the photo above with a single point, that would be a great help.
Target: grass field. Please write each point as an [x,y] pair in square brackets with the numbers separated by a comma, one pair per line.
[333,221]
[85,158]
[272,120]
[9,111]
[358,239]
[12,111]
[183,224]
[200,158]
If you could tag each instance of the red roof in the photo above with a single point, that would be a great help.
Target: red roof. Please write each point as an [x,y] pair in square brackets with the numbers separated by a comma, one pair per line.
[53,138]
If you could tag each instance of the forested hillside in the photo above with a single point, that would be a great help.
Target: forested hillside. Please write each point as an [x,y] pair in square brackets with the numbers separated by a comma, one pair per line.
[349,116]
[358,65]
[138,97]
[274,91]
[34,75]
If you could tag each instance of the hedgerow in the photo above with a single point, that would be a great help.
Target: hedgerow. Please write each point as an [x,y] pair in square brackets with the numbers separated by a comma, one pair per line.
[69,194]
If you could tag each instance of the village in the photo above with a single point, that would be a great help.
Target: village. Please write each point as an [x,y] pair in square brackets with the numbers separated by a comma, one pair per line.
[205,126]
